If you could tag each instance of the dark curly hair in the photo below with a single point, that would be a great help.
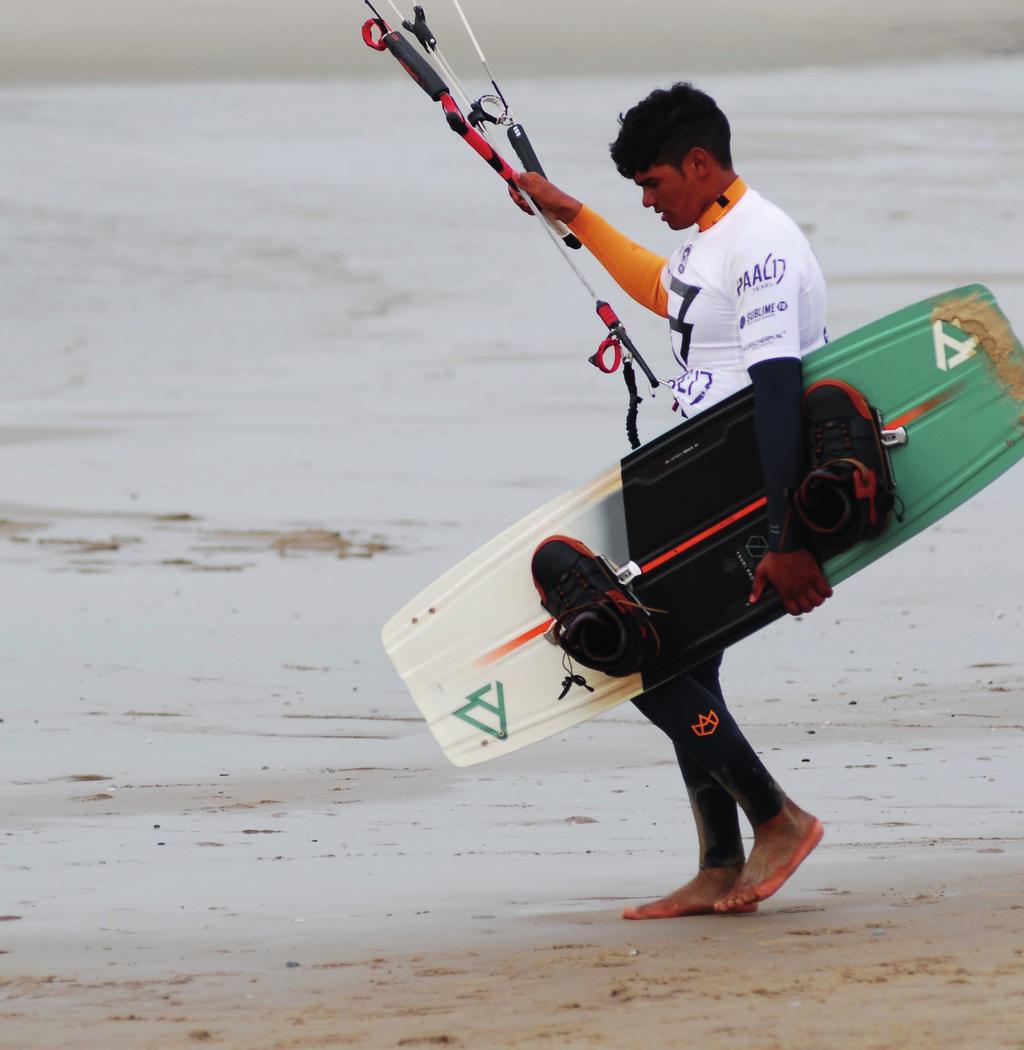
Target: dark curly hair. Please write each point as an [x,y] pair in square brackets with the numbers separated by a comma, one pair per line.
[665,126]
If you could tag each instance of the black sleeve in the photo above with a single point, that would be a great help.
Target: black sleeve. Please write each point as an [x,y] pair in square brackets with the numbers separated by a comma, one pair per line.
[778,392]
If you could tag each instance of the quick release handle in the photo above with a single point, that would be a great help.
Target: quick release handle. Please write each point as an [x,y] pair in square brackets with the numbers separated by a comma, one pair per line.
[528,158]
[608,315]
[616,327]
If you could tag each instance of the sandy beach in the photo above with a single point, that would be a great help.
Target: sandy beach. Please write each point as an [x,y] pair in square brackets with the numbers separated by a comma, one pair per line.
[260,386]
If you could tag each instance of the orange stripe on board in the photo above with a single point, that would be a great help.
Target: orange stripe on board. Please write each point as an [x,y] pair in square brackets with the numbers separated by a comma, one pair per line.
[917,412]
[534,632]
[701,536]
[903,420]
[508,647]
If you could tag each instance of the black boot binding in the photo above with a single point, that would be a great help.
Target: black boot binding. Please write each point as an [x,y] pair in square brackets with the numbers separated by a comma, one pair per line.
[597,622]
[849,494]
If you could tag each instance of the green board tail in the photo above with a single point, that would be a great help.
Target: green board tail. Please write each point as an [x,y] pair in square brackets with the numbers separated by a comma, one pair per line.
[963,407]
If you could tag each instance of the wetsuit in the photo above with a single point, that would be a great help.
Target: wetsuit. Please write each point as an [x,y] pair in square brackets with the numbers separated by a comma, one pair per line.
[745,300]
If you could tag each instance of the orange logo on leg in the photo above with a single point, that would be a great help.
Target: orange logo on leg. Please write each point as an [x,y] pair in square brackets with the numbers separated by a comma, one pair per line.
[706,724]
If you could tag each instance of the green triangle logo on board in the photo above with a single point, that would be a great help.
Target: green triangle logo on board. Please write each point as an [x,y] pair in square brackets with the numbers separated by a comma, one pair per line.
[482,707]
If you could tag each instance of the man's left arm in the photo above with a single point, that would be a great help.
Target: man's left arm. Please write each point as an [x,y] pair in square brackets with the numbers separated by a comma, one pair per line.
[788,566]
[767,284]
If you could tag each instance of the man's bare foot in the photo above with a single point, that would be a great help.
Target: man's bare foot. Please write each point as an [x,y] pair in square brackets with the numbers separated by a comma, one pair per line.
[697,897]
[780,846]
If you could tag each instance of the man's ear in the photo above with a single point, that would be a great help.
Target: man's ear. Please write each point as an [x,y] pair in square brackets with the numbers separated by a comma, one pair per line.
[698,161]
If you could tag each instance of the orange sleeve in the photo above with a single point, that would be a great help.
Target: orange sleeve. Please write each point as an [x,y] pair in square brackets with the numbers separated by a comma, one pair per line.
[635,269]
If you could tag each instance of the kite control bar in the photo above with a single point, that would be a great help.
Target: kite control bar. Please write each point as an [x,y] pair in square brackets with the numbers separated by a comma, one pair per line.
[378,35]
[429,80]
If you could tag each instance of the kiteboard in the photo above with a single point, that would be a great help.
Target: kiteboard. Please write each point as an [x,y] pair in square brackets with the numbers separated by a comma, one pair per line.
[682,522]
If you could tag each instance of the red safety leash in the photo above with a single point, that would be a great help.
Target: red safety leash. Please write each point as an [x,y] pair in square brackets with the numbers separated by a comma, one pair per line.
[597,358]
[368,27]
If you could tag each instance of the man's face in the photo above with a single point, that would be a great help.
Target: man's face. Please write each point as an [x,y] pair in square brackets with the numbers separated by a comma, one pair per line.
[674,192]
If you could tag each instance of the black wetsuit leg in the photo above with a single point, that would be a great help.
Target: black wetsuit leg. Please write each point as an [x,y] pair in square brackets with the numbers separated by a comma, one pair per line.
[714,809]
[720,768]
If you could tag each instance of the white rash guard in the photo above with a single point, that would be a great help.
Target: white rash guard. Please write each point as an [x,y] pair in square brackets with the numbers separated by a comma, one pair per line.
[745,289]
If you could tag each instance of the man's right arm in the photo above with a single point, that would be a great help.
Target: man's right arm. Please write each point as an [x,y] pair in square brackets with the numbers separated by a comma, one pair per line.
[637,271]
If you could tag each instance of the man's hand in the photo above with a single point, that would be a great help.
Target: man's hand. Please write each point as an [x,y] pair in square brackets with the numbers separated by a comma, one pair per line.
[796,576]
[546,195]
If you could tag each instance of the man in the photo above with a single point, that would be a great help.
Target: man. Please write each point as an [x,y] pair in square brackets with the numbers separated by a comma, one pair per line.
[745,300]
